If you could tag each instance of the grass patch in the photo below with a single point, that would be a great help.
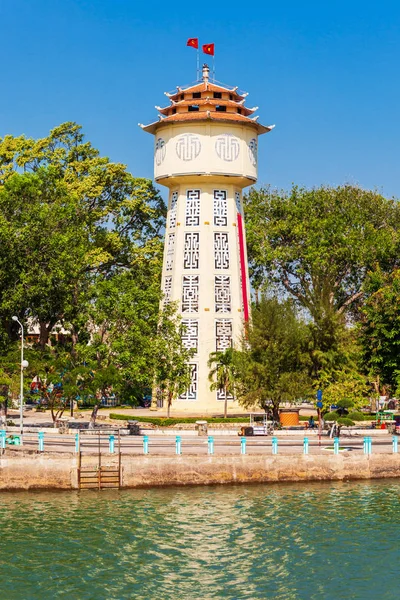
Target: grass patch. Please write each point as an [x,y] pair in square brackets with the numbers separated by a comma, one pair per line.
[164,422]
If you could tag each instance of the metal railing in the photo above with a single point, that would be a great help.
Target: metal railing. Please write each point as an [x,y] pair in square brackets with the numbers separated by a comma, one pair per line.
[112,442]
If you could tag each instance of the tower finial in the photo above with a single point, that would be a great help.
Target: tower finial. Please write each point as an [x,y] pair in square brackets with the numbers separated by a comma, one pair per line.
[206,73]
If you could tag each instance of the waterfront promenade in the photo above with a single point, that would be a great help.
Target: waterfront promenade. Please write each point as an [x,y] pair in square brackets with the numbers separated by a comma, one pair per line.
[49,459]
[163,443]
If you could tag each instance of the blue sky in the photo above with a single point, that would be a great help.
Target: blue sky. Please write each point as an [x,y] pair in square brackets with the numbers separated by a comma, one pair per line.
[326,73]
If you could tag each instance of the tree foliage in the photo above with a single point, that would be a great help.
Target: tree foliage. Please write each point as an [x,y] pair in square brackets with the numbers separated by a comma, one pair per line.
[317,245]
[222,374]
[68,218]
[380,330]
[81,253]
[172,370]
[273,365]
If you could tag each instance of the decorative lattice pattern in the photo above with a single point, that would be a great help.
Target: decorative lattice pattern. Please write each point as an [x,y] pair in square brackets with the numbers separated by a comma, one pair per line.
[191,392]
[222,293]
[159,151]
[253,151]
[191,251]
[192,212]
[223,334]
[221,395]
[221,250]
[170,252]
[227,147]
[172,210]
[237,202]
[220,208]
[190,334]
[190,293]
[188,146]
[167,289]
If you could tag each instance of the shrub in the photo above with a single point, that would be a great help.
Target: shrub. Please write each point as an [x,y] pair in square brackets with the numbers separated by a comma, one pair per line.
[332,416]
[356,416]
[345,403]
[345,421]
[164,422]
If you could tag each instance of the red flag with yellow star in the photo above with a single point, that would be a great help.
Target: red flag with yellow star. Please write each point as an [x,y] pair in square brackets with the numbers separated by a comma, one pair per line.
[193,43]
[208,49]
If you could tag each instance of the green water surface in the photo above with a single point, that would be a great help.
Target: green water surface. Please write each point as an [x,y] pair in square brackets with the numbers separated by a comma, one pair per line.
[310,541]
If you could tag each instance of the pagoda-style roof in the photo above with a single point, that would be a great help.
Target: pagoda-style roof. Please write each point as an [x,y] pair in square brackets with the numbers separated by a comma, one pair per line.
[205,101]
[206,86]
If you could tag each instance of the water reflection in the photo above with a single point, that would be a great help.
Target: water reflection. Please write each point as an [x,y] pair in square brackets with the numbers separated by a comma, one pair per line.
[314,541]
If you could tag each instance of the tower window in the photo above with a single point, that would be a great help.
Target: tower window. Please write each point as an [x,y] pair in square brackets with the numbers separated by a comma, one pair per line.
[217,94]
[196,95]
[193,108]
[182,96]
[220,108]
[239,111]
[230,97]
[174,111]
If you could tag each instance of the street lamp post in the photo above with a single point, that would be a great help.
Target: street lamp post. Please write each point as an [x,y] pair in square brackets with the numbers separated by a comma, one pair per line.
[24,364]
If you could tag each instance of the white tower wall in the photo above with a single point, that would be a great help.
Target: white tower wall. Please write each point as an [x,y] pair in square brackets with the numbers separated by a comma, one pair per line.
[205,152]
[207,148]
[202,272]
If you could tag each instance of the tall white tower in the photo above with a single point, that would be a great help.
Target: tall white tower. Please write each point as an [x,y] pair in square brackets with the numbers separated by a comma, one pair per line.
[206,152]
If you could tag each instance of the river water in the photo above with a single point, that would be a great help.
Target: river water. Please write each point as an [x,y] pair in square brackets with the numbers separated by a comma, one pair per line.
[309,541]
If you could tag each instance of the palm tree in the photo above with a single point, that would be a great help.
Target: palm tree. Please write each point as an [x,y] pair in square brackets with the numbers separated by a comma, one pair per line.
[222,373]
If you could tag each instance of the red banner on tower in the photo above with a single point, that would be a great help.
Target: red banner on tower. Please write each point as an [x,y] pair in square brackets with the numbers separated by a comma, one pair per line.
[208,49]
[193,43]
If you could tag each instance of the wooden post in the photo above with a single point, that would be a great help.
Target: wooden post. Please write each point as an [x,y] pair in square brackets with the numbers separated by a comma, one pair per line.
[79,469]
[99,467]
[119,459]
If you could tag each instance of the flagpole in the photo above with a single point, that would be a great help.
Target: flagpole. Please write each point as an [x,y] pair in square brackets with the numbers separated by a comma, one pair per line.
[198,64]
[213,67]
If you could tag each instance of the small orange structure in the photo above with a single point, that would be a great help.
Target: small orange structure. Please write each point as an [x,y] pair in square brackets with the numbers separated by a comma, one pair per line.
[289,417]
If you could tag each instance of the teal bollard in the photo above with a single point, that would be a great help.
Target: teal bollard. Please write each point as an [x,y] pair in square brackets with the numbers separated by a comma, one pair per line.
[336,445]
[77,442]
[305,448]
[3,439]
[41,441]
[243,445]
[112,443]
[210,444]
[178,444]
[395,441]
[274,445]
[145,444]
[367,445]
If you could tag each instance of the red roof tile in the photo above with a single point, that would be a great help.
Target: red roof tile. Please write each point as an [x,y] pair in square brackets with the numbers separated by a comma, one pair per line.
[206,116]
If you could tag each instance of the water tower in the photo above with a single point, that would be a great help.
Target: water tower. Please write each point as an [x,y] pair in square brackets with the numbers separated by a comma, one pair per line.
[205,152]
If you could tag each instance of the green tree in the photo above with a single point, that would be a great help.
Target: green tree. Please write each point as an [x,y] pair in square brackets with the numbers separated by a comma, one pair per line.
[317,245]
[123,318]
[5,382]
[222,374]
[273,365]
[380,330]
[172,370]
[71,218]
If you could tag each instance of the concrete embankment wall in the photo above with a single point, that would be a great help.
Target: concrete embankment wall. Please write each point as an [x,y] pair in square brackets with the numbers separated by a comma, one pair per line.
[25,470]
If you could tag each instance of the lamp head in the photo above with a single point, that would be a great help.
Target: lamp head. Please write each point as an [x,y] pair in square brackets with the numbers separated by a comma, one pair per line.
[25,364]
[14,318]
